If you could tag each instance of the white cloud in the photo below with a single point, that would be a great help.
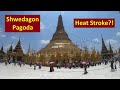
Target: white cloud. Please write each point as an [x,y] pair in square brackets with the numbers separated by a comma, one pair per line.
[2,35]
[7,46]
[13,37]
[42,26]
[45,42]
[118,34]
[90,46]
[96,40]
[112,41]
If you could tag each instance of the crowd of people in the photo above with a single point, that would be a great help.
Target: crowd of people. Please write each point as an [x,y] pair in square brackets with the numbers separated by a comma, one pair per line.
[82,64]
[20,63]
[67,64]
[114,64]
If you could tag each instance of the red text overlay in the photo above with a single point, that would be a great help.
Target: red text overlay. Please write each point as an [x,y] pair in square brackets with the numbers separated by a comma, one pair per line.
[94,23]
[22,23]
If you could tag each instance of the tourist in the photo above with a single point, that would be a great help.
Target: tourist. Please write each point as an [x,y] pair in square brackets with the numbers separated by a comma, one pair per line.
[65,64]
[59,65]
[73,65]
[77,65]
[20,63]
[34,66]
[9,61]
[95,63]
[40,64]
[15,62]
[115,63]
[30,64]
[88,65]
[51,66]
[92,63]
[81,65]
[112,62]
[70,65]
[85,67]
[100,62]
[119,62]
[106,61]
[6,61]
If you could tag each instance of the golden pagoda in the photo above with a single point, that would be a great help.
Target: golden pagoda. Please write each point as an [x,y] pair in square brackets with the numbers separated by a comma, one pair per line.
[59,46]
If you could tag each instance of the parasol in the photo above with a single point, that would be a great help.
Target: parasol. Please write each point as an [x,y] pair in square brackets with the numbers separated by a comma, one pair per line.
[52,62]
[83,62]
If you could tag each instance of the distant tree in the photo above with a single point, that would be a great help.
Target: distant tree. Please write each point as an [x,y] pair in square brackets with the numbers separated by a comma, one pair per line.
[42,58]
[78,56]
[98,56]
[93,55]
[86,55]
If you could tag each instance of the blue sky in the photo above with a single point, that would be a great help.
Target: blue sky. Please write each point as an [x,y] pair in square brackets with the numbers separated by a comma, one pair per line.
[90,37]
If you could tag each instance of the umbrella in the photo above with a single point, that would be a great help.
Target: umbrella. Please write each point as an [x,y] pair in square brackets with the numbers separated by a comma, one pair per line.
[52,62]
[83,62]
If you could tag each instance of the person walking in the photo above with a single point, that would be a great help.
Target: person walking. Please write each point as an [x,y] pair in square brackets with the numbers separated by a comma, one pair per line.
[115,63]
[40,64]
[112,67]
[30,64]
[35,66]
[15,62]
[85,67]
[20,63]
[6,61]
[51,66]
[119,62]
[57,65]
